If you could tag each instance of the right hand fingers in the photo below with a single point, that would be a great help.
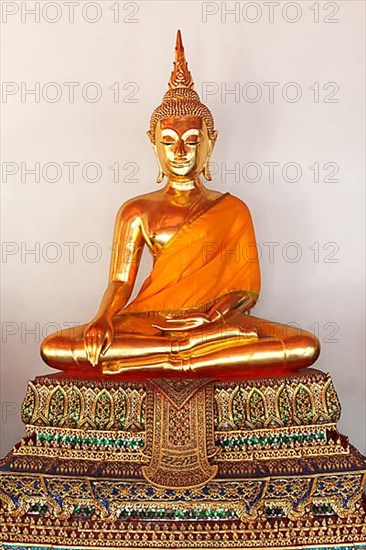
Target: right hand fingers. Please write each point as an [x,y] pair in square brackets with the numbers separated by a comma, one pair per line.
[107,342]
[87,345]
[90,347]
[93,343]
[95,350]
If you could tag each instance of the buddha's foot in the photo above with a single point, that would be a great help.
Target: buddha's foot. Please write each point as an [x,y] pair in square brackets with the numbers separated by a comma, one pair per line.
[179,362]
[178,345]
[167,365]
[241,334]
[236,334]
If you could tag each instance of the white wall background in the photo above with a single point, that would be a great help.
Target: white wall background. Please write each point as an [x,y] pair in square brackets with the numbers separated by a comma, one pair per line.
[321,49]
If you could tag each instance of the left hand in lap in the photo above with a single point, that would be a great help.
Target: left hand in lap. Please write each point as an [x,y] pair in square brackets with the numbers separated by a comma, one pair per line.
[188,322]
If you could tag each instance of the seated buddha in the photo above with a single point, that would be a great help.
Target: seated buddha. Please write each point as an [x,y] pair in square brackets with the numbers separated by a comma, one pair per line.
[192,315]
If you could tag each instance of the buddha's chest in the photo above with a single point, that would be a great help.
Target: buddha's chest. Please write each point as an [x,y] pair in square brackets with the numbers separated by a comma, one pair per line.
[161,223]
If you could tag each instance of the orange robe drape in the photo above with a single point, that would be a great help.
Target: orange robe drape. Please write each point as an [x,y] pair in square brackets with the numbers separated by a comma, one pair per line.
[211,255]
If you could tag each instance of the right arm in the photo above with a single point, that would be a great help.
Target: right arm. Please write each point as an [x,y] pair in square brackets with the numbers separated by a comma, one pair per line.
[128,243]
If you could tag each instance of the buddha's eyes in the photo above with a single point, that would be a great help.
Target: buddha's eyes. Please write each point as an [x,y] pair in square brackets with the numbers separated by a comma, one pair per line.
[167,140]
[191,141]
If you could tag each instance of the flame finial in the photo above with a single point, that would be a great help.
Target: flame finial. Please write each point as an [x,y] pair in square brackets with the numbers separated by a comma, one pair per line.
[181,100]
[180,77]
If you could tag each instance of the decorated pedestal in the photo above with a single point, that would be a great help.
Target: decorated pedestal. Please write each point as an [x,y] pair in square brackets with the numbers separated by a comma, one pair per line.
[183,464]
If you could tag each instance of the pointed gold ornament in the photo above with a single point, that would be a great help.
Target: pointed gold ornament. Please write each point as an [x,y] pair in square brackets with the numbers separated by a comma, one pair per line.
[181,100]
[180,77]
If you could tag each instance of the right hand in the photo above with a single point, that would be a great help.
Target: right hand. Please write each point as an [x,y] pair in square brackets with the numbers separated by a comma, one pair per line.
[98,336]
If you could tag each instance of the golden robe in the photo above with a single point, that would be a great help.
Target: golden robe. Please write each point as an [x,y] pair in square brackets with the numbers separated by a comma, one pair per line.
[212,255]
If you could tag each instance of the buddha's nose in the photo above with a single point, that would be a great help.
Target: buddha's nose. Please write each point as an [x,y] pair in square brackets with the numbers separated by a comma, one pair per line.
[180,150]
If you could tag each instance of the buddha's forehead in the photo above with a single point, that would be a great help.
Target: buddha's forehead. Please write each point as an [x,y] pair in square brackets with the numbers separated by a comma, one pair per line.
[182,124]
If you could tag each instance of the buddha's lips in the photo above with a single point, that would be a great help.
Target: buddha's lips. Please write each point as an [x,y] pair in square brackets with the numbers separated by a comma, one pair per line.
[180,164]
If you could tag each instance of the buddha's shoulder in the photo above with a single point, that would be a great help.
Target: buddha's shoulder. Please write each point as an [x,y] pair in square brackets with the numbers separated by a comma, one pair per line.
[237,202]
[139,205]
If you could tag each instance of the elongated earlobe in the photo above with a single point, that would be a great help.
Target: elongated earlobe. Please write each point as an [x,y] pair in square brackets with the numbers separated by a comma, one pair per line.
[206,171]
[161,174]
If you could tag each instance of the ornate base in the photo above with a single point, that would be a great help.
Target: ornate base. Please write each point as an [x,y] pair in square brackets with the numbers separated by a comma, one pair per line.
[262,534]
[183,464]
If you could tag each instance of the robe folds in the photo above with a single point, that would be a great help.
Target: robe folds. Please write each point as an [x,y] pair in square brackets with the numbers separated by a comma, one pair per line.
[211,255]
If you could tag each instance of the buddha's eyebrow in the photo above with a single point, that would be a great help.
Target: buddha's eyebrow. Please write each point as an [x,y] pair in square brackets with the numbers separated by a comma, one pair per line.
[169,132]
[191,132]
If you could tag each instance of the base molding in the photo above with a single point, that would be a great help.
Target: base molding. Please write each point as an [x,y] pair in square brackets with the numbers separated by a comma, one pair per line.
[183,464]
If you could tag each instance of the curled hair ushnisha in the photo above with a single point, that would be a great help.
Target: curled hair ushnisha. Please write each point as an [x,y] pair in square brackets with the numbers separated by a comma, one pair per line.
[181,100]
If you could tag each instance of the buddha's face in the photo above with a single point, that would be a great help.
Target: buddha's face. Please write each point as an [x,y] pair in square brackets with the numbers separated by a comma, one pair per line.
[182,146]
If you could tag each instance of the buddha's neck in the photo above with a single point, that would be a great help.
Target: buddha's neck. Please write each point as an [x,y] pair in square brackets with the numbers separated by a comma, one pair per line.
[183,185]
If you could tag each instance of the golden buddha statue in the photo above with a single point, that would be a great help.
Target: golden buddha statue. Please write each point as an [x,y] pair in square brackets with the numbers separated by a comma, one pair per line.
[191,317]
